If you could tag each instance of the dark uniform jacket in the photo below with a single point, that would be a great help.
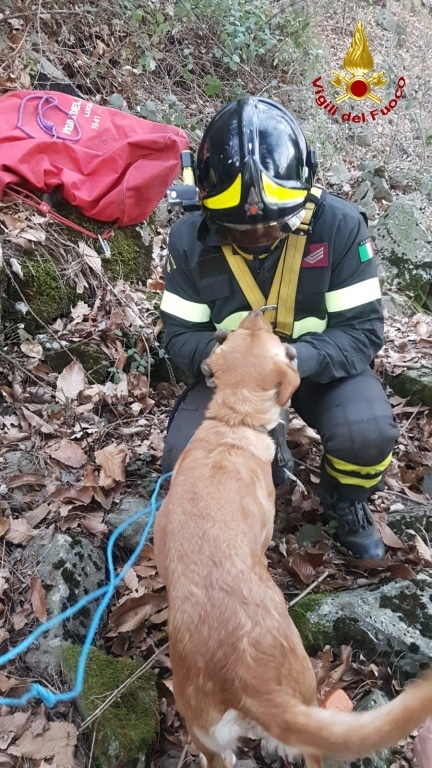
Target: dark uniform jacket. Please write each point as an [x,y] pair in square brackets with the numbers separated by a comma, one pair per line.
[338,322]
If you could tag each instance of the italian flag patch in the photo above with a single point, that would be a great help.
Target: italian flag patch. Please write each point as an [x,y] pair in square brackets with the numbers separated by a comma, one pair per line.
[366,250]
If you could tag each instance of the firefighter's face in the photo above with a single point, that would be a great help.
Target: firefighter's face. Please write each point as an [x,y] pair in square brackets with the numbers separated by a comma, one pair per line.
[255,237]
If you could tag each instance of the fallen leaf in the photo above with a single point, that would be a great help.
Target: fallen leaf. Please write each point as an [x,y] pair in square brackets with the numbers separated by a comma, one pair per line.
[71,382]
[400,571]
[133,611]
[389,538]
[298,564]
[6,683]
[94,523]
[16,267]
[80,310]
[112,460]
[4,525]
[90,256]
[155,285]
[421,549]
[67,452]
[35,516]
[10,725]
[32,349]
[19,531]
[36,421]
[37,596]
[27,478]
[57,742]
[72,494]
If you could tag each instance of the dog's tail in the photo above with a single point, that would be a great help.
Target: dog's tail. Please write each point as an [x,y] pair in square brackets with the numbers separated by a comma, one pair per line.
[341,734]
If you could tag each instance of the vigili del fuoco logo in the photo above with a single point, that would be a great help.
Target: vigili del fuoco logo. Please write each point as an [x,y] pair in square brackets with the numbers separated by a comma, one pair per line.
[361,83]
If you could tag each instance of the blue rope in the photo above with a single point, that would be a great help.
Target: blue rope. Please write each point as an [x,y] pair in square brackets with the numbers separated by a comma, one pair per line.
[106,592]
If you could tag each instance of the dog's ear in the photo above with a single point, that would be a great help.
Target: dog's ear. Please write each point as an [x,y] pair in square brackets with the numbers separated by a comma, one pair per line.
[288,381]
[208,373]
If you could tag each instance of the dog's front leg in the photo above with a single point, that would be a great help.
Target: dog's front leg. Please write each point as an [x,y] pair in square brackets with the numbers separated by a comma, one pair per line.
[210,759]
[313,761]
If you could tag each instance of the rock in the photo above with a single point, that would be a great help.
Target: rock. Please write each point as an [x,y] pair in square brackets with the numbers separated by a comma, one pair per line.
[338,173]
[385,20]
[404,247]
[416,517]
[381,759]
[396,304]
[49,77]
[44,289]
[363,197]
[376,175]
[93,359]
[127,508]
[69,567]
[427,486]
[124,731]
[364,136]
[390,622]
[416,385]
[403,180]
[21,463]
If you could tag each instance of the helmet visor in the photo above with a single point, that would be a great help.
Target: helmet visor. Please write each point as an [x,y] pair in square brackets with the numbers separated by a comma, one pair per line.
[259,235]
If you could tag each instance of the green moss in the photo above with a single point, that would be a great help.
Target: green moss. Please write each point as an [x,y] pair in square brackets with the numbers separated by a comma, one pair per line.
[44,291]
[313,633]
[415,385]
[127,728]
[130,256]
[44,288]
[93,360]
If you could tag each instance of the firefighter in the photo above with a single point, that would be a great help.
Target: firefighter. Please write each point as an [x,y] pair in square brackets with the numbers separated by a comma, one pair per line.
[267,237]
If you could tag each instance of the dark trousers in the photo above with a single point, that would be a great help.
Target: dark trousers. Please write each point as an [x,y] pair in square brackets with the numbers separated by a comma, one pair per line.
[352,416]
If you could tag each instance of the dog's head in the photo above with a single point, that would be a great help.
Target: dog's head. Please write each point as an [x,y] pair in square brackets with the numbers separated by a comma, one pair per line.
[251,363]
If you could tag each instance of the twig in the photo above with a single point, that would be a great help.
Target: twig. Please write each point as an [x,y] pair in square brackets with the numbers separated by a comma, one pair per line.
[113,696]
[92,747]
[183,754]
[309,588]
[414,413]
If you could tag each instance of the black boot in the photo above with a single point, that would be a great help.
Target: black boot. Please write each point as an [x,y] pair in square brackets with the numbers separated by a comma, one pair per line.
[356,529]
[283,462]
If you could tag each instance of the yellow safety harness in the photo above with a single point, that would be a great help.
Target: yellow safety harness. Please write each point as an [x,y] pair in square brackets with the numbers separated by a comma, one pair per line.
[284,286]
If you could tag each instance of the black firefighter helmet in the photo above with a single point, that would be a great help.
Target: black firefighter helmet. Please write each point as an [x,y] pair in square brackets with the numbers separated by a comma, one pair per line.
[254,166]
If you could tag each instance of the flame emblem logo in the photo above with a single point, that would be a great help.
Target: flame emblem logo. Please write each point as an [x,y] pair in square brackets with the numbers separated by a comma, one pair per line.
[358,61]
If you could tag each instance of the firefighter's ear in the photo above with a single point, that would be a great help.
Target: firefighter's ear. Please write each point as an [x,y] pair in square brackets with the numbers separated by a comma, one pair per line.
[208,374]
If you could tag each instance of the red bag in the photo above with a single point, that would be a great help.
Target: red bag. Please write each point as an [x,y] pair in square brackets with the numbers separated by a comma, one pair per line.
[111,165]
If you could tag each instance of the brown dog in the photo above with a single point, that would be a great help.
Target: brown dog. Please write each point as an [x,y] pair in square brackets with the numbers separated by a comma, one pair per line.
[239,666]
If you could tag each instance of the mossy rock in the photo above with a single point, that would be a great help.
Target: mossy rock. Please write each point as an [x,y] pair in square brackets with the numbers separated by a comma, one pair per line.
[93,359]
[45,288]
[416,385]
[314,639]
[127,729]
[41,288]
[131,247]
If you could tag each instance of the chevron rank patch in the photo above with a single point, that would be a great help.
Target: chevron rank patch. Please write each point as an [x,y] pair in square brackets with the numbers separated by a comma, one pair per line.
[366,249]
[317,256]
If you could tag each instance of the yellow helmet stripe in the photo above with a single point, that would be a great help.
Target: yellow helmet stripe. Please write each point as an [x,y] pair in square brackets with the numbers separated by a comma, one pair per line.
[227,199]
[275,193]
